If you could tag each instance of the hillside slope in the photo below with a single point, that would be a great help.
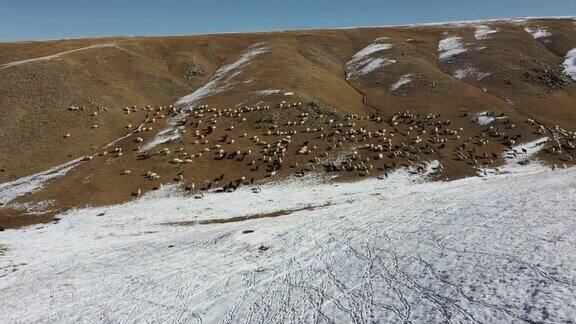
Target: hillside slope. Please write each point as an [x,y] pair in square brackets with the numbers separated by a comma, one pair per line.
[214,112]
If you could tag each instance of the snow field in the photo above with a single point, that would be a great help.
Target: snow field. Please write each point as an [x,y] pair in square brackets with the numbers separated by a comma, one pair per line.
[494,249]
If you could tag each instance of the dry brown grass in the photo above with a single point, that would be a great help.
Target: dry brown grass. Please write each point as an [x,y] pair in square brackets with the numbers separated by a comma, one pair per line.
[525,82]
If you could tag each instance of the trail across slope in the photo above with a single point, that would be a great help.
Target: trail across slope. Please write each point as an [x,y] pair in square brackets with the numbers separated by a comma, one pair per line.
[55,56]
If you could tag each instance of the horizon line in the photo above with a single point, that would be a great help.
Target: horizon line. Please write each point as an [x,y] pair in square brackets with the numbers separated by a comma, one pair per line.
[409,25]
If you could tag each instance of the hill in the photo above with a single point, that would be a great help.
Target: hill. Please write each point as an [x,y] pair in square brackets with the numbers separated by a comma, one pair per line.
[93,122]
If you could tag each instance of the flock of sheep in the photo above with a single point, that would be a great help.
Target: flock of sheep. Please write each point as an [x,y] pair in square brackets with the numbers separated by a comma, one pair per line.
[223,148]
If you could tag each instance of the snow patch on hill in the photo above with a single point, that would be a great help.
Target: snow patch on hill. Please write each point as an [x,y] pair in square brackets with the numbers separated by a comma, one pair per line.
[369,50]
[375,64]
[267,92]
[14,189]
[484,32]
[483,118]
[519,159]
[470,72]
[570,64]
[450,47]
[404,79]
[33,208]
[362,63]
[219,82]
[538,32]
[525,150]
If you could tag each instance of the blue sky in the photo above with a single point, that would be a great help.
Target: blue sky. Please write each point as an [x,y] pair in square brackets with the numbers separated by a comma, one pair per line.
[55,19]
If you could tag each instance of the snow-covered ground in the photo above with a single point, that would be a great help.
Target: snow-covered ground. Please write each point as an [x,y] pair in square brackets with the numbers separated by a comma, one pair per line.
[484,32]
[450,47]
[267,92]
[538,32]
[470,72]
[570,64]
[516,159]
[14,189]
[363,61]
[404,79]
[493,249]
[483,118]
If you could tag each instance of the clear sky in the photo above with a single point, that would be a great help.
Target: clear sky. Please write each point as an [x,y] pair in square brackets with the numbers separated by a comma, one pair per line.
[55,19]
